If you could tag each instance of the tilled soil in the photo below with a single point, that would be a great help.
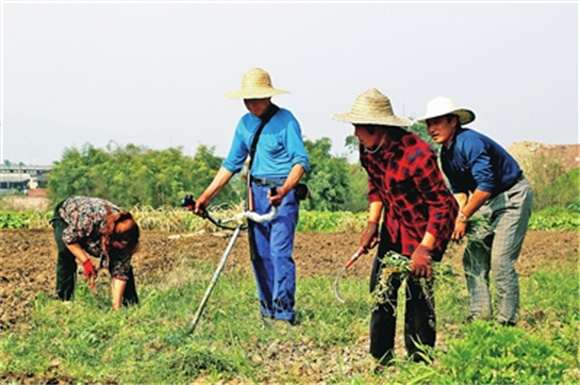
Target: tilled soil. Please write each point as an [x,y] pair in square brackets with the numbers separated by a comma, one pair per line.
[28,261]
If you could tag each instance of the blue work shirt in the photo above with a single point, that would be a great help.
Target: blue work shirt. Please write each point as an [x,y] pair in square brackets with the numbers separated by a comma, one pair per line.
[279,147]
[474,161]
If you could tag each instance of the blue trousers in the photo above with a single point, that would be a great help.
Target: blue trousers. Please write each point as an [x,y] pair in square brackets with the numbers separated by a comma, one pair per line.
[272,261]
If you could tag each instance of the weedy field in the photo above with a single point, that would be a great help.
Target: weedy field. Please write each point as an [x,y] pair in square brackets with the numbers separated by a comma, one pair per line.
[46,341]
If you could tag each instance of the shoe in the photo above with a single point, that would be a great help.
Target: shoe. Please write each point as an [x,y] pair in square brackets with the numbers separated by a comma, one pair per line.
[383,362]
[472,318]
[290,322]
[420,357]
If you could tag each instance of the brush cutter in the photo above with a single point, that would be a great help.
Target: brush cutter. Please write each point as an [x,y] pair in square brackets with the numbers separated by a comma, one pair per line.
[362,250]
[187,201]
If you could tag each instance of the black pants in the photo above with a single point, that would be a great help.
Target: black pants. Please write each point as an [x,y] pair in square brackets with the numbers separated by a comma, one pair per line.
[66,267]
[419,311]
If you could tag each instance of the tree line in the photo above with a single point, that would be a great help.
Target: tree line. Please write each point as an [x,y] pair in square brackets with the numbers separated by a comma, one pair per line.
[133,175]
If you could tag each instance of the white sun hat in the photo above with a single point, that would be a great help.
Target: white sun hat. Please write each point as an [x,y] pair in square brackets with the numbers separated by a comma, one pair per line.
[442,106]
[372,107]
[256,84]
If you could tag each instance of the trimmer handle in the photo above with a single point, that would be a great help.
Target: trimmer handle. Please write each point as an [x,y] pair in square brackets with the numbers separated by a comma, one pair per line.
[273,191]
[188,201]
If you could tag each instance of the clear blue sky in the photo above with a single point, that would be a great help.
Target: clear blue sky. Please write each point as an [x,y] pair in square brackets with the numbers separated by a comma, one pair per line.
[155,73]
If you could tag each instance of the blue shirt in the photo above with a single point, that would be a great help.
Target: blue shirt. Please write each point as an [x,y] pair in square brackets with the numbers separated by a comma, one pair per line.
[279,147]
[474,161]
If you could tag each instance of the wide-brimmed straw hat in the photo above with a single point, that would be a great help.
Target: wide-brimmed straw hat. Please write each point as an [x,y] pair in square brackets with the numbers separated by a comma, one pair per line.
[256,84]
[442,106]
[372,107]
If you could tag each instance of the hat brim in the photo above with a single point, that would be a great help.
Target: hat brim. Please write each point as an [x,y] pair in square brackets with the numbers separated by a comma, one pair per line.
[258,93]
[465,116]
[379,120]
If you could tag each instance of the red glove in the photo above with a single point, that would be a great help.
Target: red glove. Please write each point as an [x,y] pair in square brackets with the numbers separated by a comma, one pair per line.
[421,262]
[370,236]
[89,271]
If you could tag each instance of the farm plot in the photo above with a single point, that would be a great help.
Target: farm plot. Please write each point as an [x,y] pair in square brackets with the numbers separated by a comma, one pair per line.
[27,266]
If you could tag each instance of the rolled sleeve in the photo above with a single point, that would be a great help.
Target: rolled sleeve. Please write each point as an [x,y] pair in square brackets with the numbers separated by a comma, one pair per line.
[481,167]
[295,146]
[72,235]
[238,151]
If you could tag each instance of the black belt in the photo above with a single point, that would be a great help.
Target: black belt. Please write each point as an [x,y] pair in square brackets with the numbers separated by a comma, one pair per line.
[518,179]
[267,181]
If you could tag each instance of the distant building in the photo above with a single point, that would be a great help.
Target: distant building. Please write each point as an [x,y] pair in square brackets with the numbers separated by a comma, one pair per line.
[22,178]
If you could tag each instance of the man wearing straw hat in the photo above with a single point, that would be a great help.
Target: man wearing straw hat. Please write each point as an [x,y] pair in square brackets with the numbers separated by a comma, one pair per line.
[486,180]
[279,161]
[407,188]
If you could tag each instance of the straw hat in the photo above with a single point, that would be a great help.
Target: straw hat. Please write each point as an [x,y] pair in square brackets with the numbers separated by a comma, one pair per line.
[256,84]
[442,106]
[372,107]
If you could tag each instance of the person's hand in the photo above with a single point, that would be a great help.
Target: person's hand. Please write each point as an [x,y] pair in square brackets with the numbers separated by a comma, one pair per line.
[459,231]
[370,236]
[421,262]
[200,204]
[89,272]
[275,195]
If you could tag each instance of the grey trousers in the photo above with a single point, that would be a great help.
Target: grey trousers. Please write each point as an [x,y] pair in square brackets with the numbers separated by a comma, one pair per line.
[495,247]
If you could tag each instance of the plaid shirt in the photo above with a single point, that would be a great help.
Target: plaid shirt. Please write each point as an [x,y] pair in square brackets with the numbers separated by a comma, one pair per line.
[405,177]
[86,218]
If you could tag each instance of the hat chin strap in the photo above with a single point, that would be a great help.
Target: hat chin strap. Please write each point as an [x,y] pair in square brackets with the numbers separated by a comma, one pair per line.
[369,151]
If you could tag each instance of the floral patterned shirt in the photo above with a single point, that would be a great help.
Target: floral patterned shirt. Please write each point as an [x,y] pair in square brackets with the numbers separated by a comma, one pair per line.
[86,218]
[405,177]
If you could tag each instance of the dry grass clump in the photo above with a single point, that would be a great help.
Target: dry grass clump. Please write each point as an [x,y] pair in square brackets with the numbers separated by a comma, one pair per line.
[180,219]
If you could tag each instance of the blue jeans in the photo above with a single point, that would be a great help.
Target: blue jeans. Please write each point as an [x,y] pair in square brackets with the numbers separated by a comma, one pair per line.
[496,248]
[272,261]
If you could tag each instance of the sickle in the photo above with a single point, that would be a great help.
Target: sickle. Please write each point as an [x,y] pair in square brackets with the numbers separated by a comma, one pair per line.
[362,250]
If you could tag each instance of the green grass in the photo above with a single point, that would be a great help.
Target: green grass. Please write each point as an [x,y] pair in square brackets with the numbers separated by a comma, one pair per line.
[179,220]
[556,218]
[149,343]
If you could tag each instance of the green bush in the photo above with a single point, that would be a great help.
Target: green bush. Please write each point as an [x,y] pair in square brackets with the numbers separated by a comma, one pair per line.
[561,192]
[24,219]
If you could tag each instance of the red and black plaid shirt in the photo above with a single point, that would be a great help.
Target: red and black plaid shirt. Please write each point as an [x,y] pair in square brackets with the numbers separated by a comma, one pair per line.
[405,177]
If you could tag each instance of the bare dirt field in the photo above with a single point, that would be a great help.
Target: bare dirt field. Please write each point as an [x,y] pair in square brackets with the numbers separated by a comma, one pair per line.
[28,259]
